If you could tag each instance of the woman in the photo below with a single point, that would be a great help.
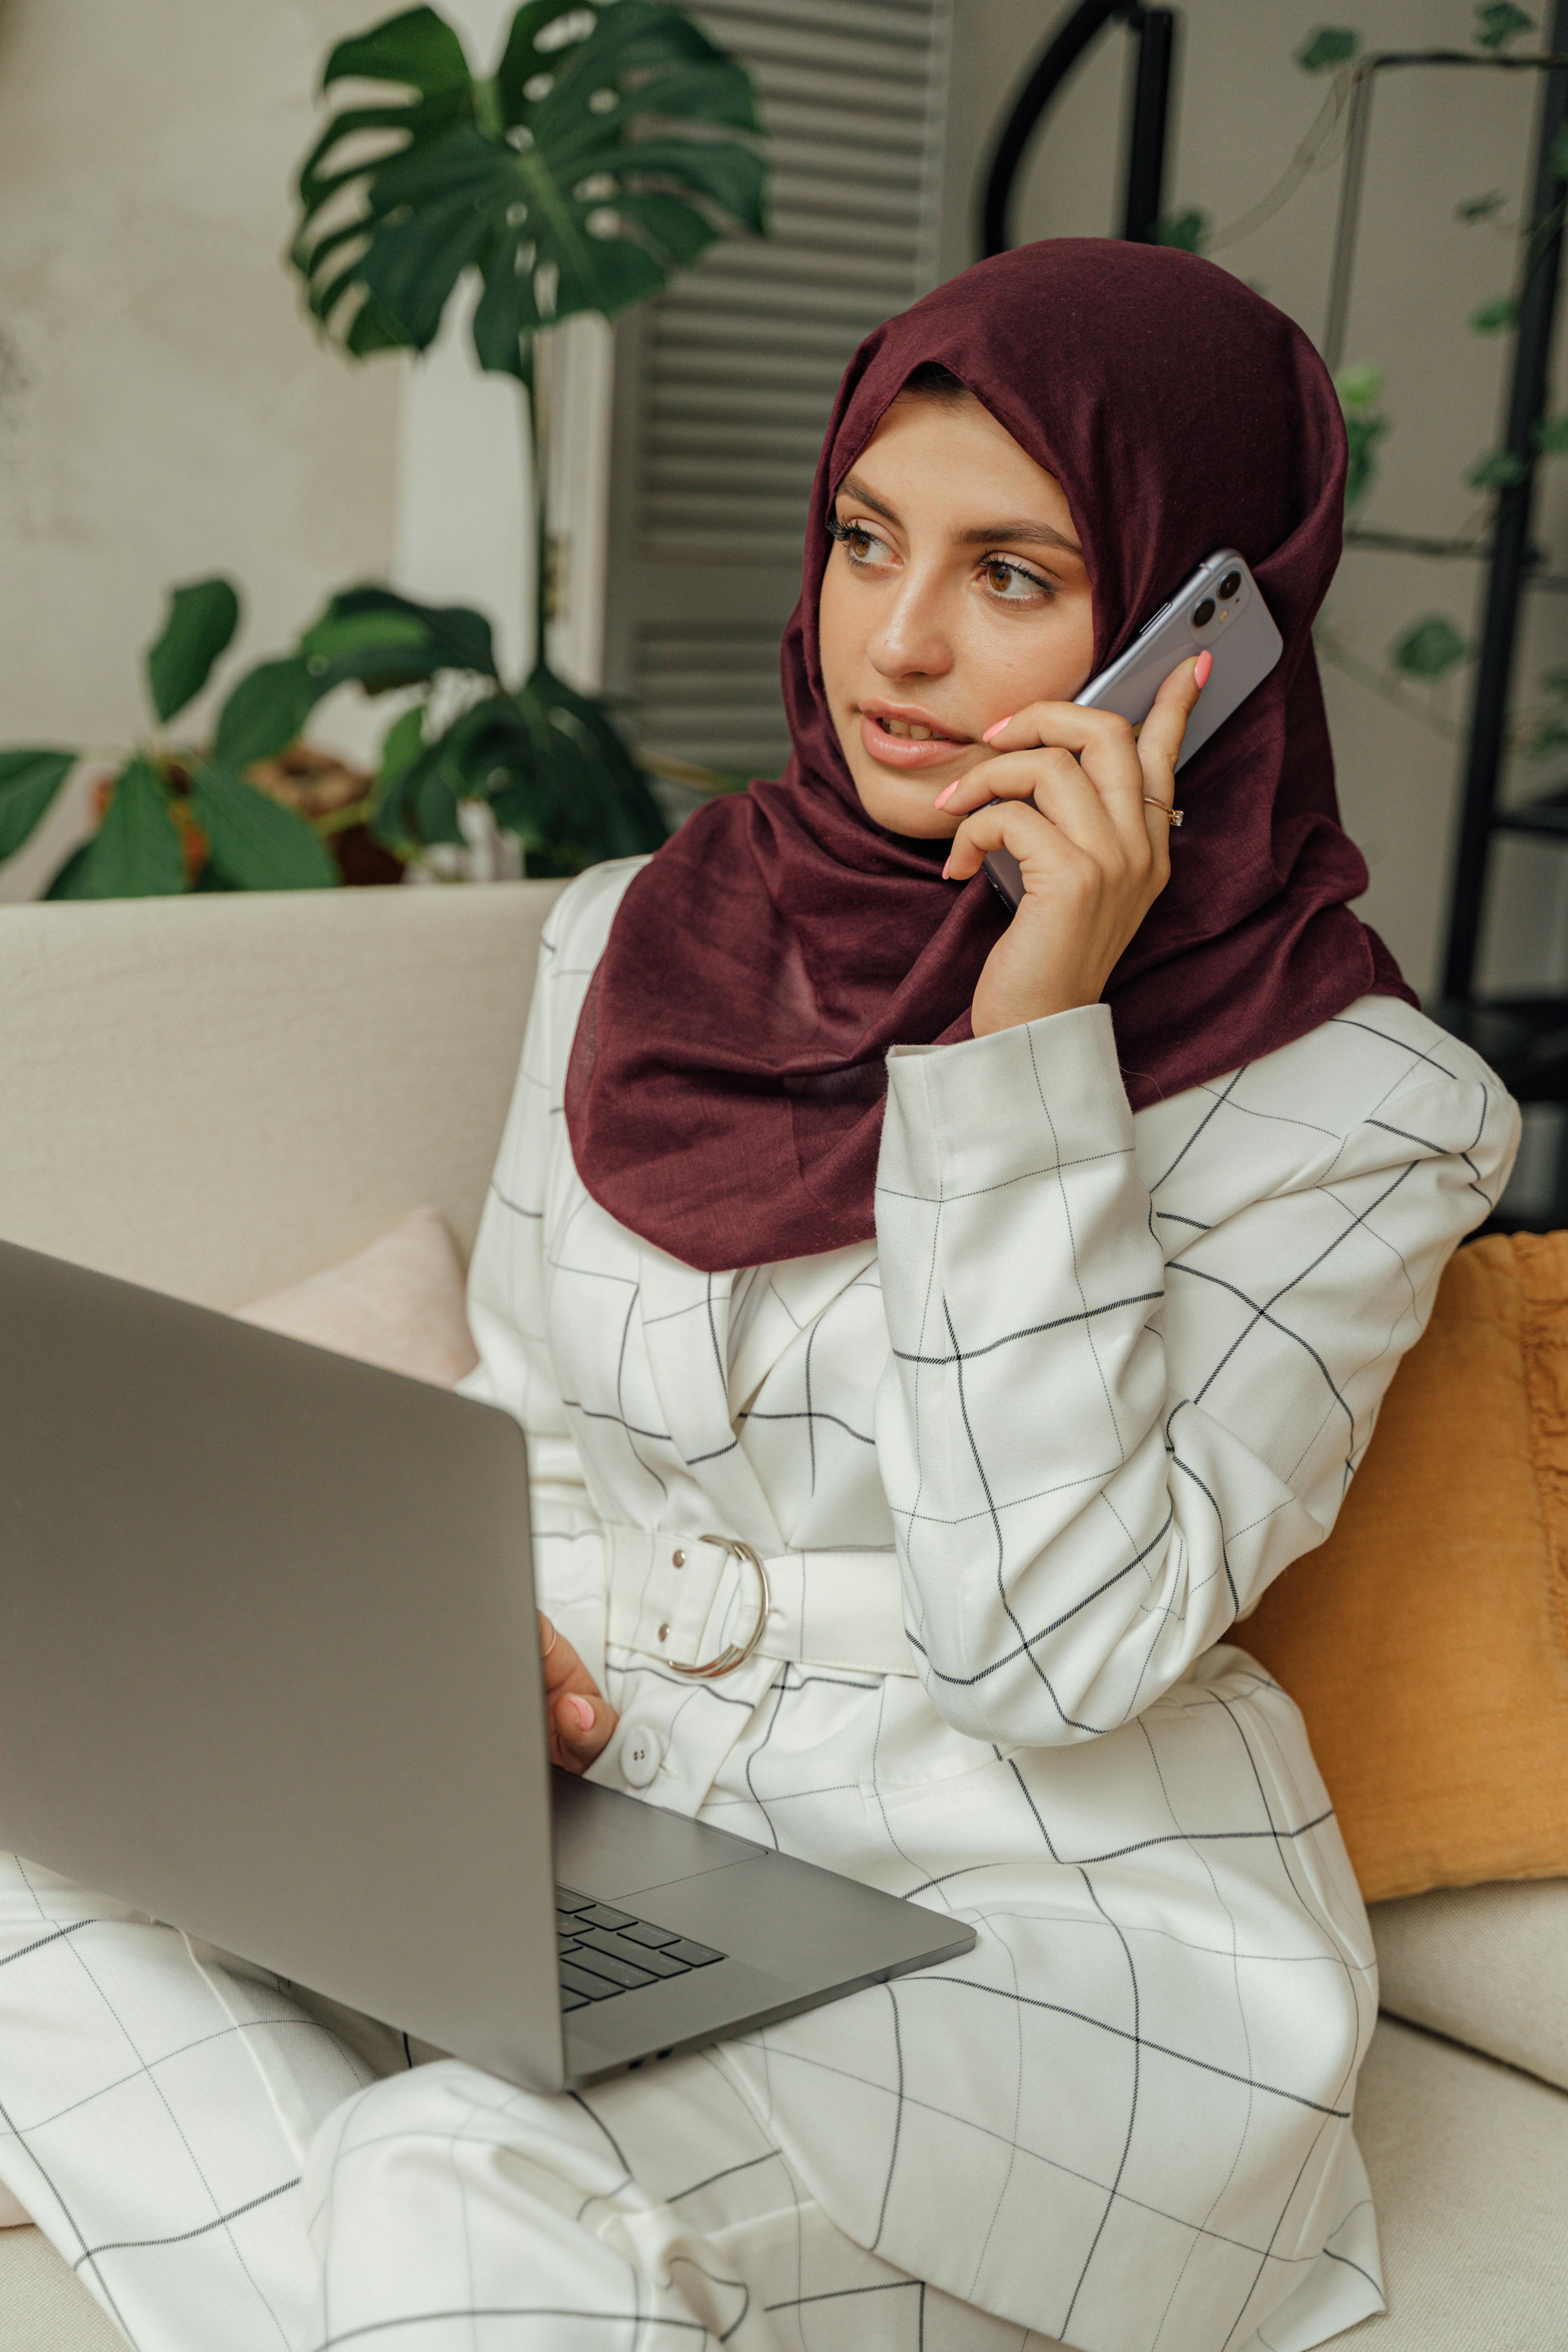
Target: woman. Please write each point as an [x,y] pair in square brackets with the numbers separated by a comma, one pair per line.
[1077,1254]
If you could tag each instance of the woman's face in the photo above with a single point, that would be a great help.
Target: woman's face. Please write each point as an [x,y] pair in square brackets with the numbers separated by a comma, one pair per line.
[959,596]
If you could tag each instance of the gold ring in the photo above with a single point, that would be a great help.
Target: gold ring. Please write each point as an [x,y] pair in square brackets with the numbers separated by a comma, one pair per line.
[1173,815]
[736,1654]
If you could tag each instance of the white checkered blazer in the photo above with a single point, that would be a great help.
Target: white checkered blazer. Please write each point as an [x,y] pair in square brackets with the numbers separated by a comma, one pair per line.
[1016,1469]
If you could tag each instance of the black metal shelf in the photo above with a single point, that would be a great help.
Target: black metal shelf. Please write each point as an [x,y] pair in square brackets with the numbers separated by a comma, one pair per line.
[1546,816]
[1525,1039]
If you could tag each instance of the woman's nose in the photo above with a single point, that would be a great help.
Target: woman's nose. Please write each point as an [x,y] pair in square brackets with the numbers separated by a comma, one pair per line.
[911,638]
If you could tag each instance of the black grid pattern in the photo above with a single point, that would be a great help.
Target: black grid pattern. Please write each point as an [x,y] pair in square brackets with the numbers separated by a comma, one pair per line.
[1101,1379]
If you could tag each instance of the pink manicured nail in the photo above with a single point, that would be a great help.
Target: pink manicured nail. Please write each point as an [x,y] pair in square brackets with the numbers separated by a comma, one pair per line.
[1201,670]
[944,797]
[945,874]
[991,732]
[582,1711]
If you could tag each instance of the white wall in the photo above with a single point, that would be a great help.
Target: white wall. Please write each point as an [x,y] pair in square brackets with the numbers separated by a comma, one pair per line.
[1437,139]
[165,408]
[464,511]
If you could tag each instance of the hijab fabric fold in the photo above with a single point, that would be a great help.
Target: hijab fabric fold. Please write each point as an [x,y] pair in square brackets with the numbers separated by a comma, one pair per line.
[725,1090]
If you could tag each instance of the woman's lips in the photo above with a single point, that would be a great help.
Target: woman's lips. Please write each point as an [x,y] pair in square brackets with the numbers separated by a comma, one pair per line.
[903,751]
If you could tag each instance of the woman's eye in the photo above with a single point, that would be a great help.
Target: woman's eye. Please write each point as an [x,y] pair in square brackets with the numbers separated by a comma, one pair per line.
[1012,583]
[861,545]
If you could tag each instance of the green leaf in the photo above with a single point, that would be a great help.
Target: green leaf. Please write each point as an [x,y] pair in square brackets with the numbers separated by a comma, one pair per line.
[337,636]
[418,48]
[136,852]
[1428,649]
[29,781]
[1188,231]
[1480,208]
[382,640]
[202,620]
[403,742]
[265,712]
[1359,390]
[553,768]
[1551,439]
[1359,387]
[1493,318]
[1496,469]
[1329,46]
[258,844]
[1498,23]
[579,179]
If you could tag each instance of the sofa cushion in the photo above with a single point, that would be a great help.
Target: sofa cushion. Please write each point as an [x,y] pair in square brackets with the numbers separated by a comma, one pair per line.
[216,1094]
[43,2306]
[1486,1965]
[1427,1642]
[1466,2163]
[398,1302]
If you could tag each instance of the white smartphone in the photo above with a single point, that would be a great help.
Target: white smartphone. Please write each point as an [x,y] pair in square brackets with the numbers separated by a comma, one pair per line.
[1221,608]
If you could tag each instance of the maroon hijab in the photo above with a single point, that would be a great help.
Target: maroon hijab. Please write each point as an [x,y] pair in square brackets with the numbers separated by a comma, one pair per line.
[724,1097]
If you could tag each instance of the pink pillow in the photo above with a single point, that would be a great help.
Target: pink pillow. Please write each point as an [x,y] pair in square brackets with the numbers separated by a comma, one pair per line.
[399,1304]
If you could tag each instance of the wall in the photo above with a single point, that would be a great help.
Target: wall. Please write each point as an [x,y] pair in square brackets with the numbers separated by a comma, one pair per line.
[165,408]
[1437,139]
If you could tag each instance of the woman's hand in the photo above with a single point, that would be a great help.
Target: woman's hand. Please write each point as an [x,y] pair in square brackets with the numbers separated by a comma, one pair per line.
[1070,786]
[580,1719]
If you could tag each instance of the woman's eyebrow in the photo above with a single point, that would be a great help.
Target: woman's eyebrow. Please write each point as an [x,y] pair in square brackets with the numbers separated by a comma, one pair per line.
[852,487]
[1015,529]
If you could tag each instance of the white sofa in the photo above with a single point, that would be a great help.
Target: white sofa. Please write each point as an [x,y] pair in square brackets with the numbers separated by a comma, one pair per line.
[217,1096]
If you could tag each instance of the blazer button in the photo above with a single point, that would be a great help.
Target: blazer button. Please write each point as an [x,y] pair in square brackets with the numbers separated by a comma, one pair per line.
[642,1753]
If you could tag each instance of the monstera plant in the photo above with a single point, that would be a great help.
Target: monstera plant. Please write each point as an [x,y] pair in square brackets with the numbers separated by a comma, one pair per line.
[596,161]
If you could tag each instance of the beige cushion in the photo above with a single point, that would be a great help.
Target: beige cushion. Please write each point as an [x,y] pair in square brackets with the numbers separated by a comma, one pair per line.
[1487,1965]
[218,1095]
[398,1304]
[1468,2163]
[43,2308]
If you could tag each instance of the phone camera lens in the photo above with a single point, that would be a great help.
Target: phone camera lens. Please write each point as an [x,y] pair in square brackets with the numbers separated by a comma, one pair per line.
[1230,585]
[1203,613]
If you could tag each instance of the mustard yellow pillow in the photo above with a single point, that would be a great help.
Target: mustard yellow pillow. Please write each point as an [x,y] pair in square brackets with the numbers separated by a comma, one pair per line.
[1427,1642]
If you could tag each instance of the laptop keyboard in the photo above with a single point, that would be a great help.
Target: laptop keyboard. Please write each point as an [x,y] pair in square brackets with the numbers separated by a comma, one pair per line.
[604,1952]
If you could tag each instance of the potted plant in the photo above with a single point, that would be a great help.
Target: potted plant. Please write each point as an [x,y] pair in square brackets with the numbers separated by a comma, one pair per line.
[172,817]
[598,158]
[596,161]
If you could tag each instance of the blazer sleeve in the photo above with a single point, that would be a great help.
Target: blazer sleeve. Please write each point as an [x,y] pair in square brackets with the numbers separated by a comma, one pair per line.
[1096,1456]
[507,1280]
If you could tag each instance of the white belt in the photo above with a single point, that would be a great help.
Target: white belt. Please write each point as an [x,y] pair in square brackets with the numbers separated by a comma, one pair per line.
[704,1602]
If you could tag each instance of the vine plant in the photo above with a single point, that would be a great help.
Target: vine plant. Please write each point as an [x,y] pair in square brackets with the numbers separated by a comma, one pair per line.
[1425,656]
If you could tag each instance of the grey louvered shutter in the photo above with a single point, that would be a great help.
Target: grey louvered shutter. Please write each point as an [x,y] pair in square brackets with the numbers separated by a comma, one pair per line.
[723,386]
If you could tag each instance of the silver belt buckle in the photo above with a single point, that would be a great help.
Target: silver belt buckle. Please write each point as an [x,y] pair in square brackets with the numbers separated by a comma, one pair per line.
[737,1653]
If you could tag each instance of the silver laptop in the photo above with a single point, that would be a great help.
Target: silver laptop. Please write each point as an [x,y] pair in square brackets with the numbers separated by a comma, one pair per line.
[270,1671]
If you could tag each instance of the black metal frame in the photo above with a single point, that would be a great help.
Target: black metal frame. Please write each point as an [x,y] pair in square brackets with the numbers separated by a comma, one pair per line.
[1154,30]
